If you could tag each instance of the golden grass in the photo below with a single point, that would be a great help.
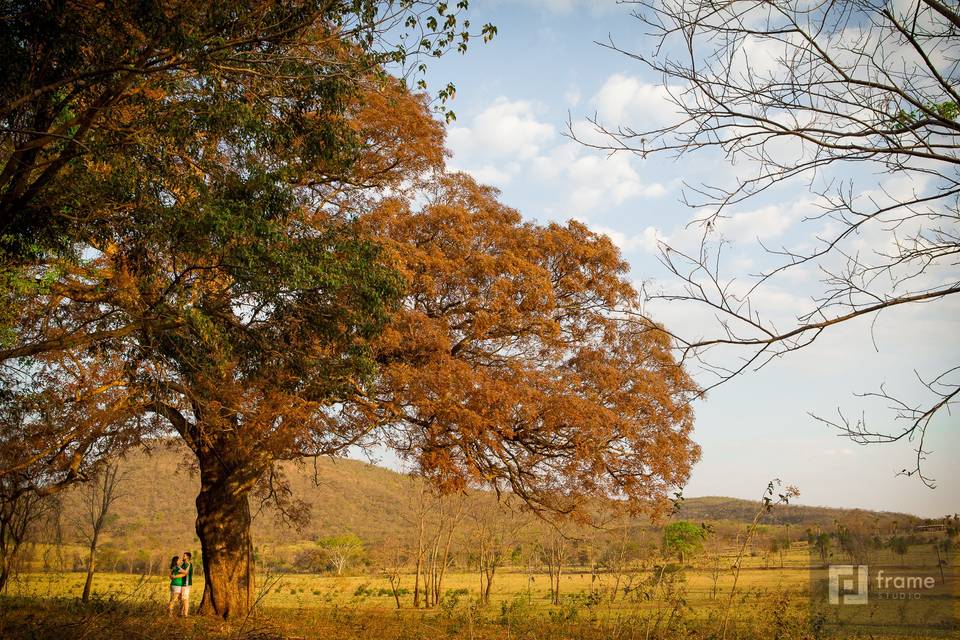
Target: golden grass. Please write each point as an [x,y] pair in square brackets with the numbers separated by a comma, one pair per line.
[769,602]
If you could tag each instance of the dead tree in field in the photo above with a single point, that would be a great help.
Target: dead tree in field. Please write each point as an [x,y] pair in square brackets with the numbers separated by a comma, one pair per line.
[619,561]
[97,498]
[495,529]
[20,509]
[437,517]
[52,535]
[449,513]
[393,570]
[553,554]
[421,506]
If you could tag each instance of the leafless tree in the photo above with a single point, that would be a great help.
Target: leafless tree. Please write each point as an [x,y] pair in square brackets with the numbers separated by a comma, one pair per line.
[436,516]
[618,561]
[21,508]
[97,498]
[553,552]
[495,529]
[393,566]
[818,92]
[51,535]
[421,507]
[449,513]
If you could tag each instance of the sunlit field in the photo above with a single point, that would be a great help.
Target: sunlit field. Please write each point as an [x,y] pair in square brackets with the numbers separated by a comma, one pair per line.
[373,591]
[769,601]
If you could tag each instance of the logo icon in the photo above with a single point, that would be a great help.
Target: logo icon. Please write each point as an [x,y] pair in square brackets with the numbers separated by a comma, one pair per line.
[848,583]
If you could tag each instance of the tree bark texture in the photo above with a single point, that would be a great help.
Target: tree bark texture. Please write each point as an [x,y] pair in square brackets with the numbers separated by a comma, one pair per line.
[223,527]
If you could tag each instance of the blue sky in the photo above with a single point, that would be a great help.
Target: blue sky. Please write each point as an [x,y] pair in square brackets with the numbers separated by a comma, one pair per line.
[514,97]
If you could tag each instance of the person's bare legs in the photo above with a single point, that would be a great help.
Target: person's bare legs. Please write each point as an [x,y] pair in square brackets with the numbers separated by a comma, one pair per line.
[174,596]
[186,558]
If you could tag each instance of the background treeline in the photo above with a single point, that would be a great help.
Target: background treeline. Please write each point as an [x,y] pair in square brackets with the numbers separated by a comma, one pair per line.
[366,518]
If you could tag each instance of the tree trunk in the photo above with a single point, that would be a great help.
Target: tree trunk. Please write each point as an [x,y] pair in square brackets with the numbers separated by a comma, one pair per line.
[4,574]
[446,557]
[223,527]
[483,574]
[432,570]
[421,515]
[556,592]
[91,567]
[552,573]
[416,583]
[940,563]
[492,570]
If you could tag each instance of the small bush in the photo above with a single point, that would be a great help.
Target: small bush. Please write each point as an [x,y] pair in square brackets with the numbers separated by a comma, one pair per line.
[516,612]
[568,612]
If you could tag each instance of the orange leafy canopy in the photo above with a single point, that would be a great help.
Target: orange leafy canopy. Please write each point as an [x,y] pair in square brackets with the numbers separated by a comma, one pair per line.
[513,363]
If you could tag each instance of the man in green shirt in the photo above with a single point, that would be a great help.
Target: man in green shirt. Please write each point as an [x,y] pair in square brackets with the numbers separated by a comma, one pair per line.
[186,565]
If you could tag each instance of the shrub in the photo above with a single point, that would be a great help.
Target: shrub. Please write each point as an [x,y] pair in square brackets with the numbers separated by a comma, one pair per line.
[516,612]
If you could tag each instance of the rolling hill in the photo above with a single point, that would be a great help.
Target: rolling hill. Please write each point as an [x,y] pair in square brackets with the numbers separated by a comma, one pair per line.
[156,508]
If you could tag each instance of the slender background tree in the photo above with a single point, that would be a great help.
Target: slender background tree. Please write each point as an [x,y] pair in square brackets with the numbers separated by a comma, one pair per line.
[98,497]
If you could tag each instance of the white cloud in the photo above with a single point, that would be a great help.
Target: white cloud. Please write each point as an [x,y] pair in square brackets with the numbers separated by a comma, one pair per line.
[508,139]
[593,180]
[505,129]
[564,7]
[599,180]
[626,100]
[775,304]
[488,173]
[765,222]
[553,163]
[647,240]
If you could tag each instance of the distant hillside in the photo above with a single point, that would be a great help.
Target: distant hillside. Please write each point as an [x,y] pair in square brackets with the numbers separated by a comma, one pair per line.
[159,489]
[714,508]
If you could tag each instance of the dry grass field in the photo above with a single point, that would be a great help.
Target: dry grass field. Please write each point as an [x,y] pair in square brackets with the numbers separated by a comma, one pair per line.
[771,599]
[769,602]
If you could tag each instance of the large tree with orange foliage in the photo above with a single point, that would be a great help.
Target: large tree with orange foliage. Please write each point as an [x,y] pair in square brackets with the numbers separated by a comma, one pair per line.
[220,261]
[519,358]
[246,302]
[175,244]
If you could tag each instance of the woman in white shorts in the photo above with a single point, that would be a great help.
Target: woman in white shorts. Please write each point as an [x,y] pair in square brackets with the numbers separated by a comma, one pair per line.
[176,583]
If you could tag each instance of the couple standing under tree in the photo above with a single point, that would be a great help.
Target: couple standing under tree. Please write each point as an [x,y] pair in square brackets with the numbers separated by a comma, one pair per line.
[181,579]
